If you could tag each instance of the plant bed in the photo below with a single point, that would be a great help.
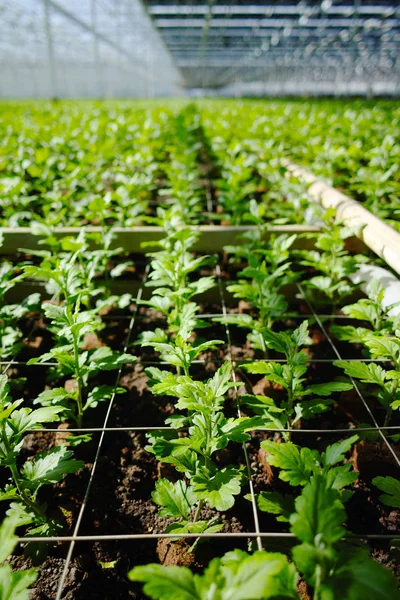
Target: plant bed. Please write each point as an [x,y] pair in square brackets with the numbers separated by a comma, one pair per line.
[244,396]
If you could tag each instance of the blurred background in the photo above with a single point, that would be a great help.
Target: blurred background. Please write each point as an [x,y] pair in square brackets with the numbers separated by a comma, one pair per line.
[158,48]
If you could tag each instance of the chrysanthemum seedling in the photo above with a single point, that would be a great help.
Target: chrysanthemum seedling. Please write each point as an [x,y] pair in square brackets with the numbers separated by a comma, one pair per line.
[14,585]
[290,375]
[71,267]
[332,260]
[208,432]
[298,465]
[70,325]
[10,335]
[371,310]
[46,468]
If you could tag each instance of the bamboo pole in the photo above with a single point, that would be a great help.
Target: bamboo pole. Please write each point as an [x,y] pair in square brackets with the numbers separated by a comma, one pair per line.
[377,235]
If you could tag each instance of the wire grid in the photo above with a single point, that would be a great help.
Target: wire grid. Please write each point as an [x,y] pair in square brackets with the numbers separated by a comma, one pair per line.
[257,534]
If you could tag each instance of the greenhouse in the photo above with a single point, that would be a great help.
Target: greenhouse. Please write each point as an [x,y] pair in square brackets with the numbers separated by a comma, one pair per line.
[199,300]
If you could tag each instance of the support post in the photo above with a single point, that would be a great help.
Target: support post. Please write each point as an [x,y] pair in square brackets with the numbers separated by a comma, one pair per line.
[97,66]
[50,50]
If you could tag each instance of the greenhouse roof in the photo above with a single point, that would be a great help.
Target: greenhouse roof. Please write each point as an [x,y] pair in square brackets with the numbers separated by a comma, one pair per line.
[134,48]
[217,43]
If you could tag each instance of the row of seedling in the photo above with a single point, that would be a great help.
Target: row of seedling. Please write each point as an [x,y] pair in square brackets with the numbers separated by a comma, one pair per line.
[322,552]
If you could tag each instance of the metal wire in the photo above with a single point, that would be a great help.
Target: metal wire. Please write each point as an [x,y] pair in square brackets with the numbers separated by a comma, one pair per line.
[246,456]
[351,430]
[149,536]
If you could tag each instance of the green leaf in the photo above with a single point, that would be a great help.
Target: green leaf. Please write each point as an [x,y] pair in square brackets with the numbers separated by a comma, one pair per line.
[391,487]
[300,335]
[49,467]
[261,576]
[196,350]
[236,429]
[307,409]
[217,489]
[202,284]
[360,578]
[164,583]
[340,477]
[367,373]
[105,359]
[335,453]
[297,465]
[383,347]
[120,268]
[276,504]
[149,338]
[14,585]
[258,368]
[237,576]
[190,527]
[319,512]
[54,396]
[376,291]
[56,313]
[363,310]
[25,418]
[222,382]
[160,303]
[176,499]
[108,564]
[10,493]
[324,389]
[8,540]
[348,333]
[101,393]
[260,404]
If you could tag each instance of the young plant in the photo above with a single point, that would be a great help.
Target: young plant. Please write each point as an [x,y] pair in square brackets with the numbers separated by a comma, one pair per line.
[46,468]
[297,467]
[70,325]
[177,352]
[370,310]
[208,432]
[331,566]
[10,335]
[171,270]
[14,585]
[290,375]
[178,501]
[332,260]
[71,266]
[263,575]
[236,186]
[387,381]
[267,272]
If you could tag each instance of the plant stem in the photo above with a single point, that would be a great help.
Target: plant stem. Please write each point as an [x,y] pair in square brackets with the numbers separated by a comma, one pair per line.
[318,581]
[388,416]
[79,382]
[198,511]
[16,478]
[289,411]
[30,503]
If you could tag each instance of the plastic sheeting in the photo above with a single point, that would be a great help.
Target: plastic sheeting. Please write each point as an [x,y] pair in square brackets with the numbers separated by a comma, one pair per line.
[83,48]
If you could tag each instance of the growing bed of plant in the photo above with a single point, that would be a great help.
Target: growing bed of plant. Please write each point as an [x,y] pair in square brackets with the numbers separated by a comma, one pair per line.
[211,425]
